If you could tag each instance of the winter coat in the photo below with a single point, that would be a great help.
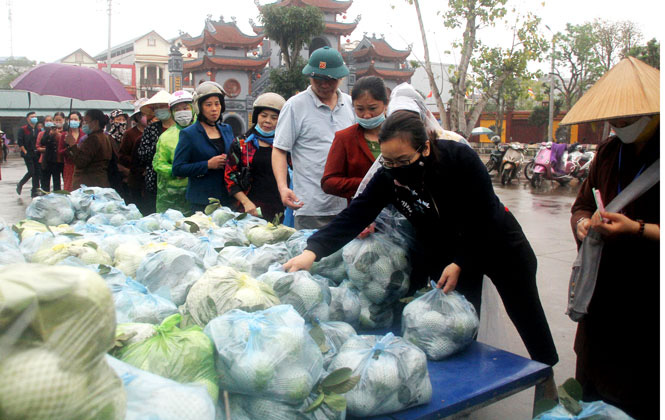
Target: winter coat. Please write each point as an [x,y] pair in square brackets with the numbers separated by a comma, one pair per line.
[91,159]
[170,190]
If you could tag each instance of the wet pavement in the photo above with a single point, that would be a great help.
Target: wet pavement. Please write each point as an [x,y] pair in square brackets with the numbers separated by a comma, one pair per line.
[544,215]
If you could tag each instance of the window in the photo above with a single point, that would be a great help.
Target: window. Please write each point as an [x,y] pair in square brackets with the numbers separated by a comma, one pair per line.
[152,42]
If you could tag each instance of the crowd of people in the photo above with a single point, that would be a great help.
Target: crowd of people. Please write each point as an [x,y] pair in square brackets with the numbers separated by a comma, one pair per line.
[316,151]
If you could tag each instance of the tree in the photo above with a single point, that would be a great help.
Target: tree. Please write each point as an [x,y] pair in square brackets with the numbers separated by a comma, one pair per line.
[540,117]
[649,53]
[13,68]
[577,65]
[291,28]
[614,40]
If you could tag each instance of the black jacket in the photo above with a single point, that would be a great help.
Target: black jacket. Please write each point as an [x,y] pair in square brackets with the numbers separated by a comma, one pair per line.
[27,137]
[456,214]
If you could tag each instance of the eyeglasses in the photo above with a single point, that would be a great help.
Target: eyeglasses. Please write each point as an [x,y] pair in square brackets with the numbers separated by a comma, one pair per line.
[389,164]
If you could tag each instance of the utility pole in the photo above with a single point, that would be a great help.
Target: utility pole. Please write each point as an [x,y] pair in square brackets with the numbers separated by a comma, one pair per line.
[108,51]
[551,116]
[11,29]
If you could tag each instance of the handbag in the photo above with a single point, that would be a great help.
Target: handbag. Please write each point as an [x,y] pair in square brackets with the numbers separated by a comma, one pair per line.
[585,267]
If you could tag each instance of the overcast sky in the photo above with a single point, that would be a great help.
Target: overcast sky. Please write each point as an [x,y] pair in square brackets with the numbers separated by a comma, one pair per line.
[46,30]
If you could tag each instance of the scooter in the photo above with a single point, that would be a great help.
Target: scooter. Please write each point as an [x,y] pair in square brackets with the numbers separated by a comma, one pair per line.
[582,160]
[511,164]
[496,155]
[552,163]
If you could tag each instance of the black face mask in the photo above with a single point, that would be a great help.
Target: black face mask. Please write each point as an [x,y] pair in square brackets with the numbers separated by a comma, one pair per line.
[411,175]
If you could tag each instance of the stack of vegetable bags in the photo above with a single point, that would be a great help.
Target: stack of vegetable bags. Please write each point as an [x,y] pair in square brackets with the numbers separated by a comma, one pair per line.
[85,250]
[183,355]
[128,257]
[92,201]
[330,336]
[266,354]
[56,324]
[153,397]
[440,324]
[330,267]
[393,374]
[345,303]
[51,209]
[222,289]
[252,260]
[308,295]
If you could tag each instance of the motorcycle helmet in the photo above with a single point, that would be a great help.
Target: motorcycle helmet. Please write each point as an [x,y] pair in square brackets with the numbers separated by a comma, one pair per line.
[180,96]
[495,139]
[204,91]
[268,100]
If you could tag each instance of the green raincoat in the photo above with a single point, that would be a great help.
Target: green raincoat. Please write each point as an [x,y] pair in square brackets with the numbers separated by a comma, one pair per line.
[170,190]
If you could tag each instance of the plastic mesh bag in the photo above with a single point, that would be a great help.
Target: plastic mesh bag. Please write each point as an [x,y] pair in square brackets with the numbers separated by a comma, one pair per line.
[222,289]
[170,273]
[183,355]
[344,303]
[153,397]
[266,354]
[374,316]
[268,234]
[393,374]
[252,260]
[440,324]
[56,324]
[331,267]
[330,336]
[309,296]
[597,410]
[51,209]
[377,267]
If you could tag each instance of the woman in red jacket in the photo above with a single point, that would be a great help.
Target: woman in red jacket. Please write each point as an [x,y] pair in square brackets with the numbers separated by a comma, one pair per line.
[354,149]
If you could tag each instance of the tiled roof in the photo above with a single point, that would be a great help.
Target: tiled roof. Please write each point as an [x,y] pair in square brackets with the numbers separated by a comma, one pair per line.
[230,63]
[393,74]
[324,5]
[380,48]
[339,28]
[226,34]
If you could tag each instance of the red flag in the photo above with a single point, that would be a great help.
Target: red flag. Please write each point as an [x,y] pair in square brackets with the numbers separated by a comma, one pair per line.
[429,95]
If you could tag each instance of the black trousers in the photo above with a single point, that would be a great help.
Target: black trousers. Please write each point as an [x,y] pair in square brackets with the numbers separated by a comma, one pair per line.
[511,265]
[52,170]
[34,172]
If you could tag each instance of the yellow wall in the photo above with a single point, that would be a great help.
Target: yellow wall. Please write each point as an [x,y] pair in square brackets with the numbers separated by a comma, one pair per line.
[555,125]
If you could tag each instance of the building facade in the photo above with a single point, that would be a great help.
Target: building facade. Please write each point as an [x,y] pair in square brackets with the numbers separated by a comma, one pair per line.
[375,57]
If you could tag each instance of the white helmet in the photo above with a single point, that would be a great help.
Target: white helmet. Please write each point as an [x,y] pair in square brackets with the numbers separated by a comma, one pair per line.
[180,96]
[268,100]
[203,91]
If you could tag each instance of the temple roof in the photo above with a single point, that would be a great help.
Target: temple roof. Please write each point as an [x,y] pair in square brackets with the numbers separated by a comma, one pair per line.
[391,74]
[379,48]
[338,28]
[225,34]
[330,6]
[226,63]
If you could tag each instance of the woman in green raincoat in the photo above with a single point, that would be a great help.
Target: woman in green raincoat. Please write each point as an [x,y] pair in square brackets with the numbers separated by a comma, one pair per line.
[170,189]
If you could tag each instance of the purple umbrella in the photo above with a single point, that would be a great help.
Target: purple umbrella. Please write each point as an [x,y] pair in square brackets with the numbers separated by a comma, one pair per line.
[71,82]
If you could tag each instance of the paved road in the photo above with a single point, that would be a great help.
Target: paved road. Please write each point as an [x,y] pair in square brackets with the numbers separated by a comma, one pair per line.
[544,217]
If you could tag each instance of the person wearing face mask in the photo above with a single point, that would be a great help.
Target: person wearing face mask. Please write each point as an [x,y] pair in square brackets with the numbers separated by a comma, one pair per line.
[248,175]
[72,134]
[127,155]
[117,127]
[27,142]
[159,107]
[51,158]
[201,153]
[354,149]
[171,190]
[617,340]
[92,155]
[444,190]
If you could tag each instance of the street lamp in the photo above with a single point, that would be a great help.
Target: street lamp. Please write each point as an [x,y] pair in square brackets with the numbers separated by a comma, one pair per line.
[551,114]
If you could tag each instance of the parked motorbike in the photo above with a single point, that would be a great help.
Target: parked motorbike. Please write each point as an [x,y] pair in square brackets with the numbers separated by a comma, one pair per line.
[496,156]
[552,163]
[511,164]
[582,159]
[528,169]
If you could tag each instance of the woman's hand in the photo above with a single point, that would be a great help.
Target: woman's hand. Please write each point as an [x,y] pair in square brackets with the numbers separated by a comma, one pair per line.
[303,261]
[217,162]
[289,199]
[617,225]
[449,277]
[583,228]
[369,229]
[250,208]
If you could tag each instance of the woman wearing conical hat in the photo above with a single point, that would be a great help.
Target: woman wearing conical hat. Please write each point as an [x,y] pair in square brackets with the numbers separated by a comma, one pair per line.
[617,342]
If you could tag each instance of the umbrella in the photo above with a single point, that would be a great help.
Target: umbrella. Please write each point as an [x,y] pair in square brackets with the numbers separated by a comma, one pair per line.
[481,130]
[71,82]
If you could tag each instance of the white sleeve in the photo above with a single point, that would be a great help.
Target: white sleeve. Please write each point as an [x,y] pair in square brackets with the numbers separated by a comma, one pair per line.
[286,131]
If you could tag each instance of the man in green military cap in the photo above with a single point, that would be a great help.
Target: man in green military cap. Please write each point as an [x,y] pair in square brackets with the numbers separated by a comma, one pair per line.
[306,128]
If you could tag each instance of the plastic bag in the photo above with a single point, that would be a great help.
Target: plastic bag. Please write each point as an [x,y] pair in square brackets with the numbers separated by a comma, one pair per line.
[183,355]
[56,324]
[373,316]
[129,256]
[344,303]
[377,267]
[110,242]
[440,324]
[10,253]
[309,296]
[7,234]
[227,236]
[268,234]
[134,303]
[28,228]
[396,226]
[153,397]
[393,374]
[244,407]
[170,273]
[31,245]
[252,260]
[222,289]
[223,215]
[85,250]
[51,209]
[266,354]
[331,267]
[597,410]
[195,223]
[330,336]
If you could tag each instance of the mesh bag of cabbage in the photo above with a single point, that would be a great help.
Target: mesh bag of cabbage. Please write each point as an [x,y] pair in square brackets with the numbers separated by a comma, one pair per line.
[153,397]
[393,374]
[268,234]
[56,324]
[253,260]
[330,336]
[331,267]
[345,303]
[221,289]
[170,273]
[440,323]
[183,355]
[243,407]
[378,267]
[309,295]
[267,354]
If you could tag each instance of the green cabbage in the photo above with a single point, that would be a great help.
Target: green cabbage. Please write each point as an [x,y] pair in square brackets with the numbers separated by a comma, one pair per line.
[268,234]
[85,250]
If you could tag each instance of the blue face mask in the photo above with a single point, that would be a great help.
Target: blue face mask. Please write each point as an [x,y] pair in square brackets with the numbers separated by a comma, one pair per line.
[370,123]
[33,120]
[264,133]
[74,124]
[86,129]
[48,124]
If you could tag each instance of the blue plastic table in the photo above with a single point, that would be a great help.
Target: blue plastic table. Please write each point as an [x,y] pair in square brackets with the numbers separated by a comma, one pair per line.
[472,379]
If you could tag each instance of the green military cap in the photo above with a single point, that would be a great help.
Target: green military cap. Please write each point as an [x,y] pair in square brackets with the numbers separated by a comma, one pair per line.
[326,63]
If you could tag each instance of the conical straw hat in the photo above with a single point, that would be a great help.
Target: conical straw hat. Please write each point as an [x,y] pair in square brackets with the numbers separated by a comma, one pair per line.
[161,97]
[631,88]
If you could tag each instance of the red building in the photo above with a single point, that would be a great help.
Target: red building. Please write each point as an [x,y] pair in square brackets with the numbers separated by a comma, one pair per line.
[375,57]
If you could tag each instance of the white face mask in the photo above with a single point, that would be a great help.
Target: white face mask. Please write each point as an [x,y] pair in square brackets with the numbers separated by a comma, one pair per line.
[630,133]
[183,118]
